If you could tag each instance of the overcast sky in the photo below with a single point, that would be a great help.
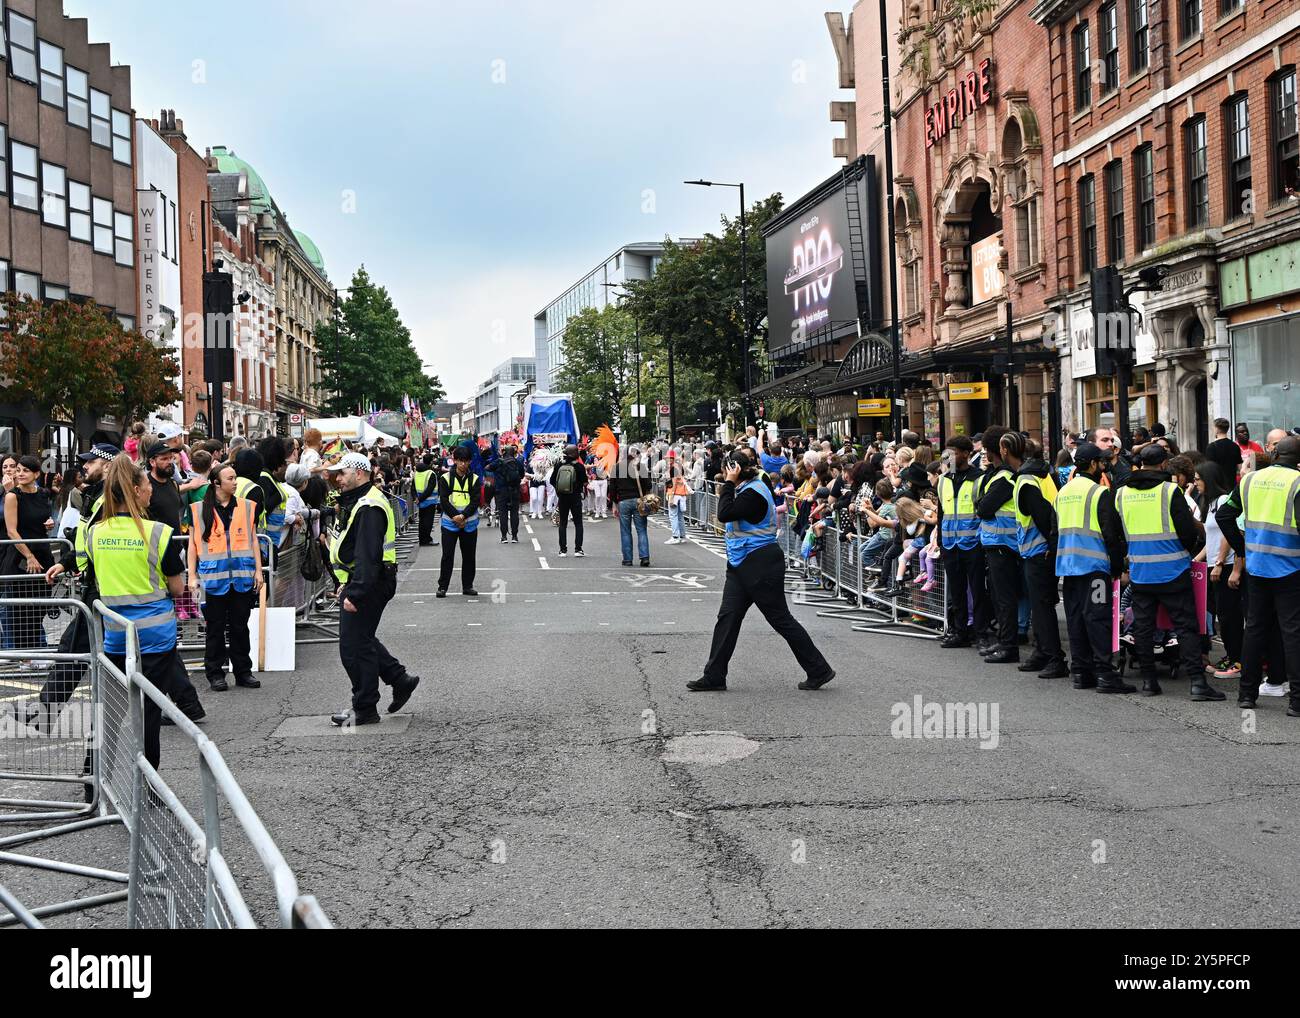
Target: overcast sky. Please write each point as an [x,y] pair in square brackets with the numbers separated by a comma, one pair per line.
[496,151]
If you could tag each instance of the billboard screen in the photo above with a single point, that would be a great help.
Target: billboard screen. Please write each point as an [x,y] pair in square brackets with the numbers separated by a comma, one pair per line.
[810,284]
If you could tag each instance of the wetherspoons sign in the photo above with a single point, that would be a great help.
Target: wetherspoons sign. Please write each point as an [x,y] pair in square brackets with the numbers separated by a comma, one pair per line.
[955,105]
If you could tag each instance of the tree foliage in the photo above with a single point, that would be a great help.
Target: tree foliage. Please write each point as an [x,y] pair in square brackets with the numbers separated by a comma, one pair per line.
[695,297]
[68,358]
[367,355]
[599,365]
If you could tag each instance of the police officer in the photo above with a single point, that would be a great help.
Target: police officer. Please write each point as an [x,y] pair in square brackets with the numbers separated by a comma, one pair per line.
[139,571]
[426,494]
[1090,557]
[1267,505]
[1035,521]
[963,558]
[364,557]
[755,575]
[1162,537]
[995,505]
[460,491]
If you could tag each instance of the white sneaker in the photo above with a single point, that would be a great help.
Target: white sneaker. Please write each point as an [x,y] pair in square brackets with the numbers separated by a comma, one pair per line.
[672,540]
[563,554]
[1272,689]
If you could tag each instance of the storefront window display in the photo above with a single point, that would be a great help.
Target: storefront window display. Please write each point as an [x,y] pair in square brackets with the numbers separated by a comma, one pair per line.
[1099,401]
[1265,373]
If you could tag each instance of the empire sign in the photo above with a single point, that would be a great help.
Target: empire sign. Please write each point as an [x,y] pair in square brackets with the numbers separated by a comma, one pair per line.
[955,105]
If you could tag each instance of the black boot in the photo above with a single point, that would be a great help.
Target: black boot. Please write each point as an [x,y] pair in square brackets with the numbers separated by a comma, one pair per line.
[1036,663]
[1083,680]
[1151,686]
[1055,670]
[1110,682]
[1003,656]
[1202,690]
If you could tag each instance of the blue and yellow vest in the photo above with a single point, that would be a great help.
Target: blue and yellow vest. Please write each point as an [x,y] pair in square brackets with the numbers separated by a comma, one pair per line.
[1155,554]
[459,492]
[999,532]
[128,570]
[1030,541]
[426,488]
[226,560]
[1080,546]
[959,527]
[1268,520]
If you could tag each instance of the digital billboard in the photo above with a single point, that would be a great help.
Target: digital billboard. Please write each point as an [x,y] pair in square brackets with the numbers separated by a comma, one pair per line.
[810,279]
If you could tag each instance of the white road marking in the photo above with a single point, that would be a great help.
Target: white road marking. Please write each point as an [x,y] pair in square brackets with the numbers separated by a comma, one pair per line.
[604,623]
[537,545]
[544,563]
[528,528]
[670,623]
[473,623]
[539,623]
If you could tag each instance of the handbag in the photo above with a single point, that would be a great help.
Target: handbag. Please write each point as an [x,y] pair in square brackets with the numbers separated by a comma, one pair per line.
[647,505]
[312,567]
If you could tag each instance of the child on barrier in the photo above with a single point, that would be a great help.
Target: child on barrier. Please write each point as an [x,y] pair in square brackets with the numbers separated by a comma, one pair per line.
[916,518]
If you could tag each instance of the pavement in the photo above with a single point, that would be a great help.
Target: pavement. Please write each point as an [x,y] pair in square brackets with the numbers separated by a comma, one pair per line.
[552,770]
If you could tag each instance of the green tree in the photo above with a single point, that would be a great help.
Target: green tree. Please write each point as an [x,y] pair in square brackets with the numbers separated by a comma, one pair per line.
[599,366]
[367,355]
[69,359]
[695,297]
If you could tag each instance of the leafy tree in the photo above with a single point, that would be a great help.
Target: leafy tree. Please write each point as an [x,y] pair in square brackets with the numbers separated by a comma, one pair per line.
[367,355]
[695,297]
[69,359]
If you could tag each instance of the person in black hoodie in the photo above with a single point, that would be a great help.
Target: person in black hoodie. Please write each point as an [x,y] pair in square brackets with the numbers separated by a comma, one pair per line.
[995,493]
[1035,537]
[1161,576]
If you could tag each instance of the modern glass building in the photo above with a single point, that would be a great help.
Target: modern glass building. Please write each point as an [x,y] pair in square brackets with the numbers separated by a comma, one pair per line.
[634,261]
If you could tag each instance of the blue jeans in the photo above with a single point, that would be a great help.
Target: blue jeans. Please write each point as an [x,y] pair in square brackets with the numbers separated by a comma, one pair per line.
[677,518]
[626,514]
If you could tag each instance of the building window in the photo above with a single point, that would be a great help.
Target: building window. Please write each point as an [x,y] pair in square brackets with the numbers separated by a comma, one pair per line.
[79,211]
[1027,233]
[25,189]
[1138,35]
[124,239]
[103,222]
[1115,212]
[51,74]
[4,284]
[127,322]
[1198,173]
[1286,140]
[1099,400]
[1226,7]
[122,137]
[4,160]
[1144,174]
[1109,47]
[54,195]
[1236,139]
[100,112]
[1189,19]
[53,292]
[27,284]
[22,47]
[1087,224]
[78,97]
[1082,68]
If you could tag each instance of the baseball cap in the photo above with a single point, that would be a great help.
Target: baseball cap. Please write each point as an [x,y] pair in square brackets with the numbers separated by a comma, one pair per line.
[169,430]
[100,451]
[352,461]
[1086,452]
[1153,455]
[156,449]
[296,474]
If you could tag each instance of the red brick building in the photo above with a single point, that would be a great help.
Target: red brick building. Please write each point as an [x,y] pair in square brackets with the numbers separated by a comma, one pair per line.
[1174,142]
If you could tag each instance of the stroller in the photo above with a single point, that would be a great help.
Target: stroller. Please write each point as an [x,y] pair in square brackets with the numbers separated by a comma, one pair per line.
[1166,640]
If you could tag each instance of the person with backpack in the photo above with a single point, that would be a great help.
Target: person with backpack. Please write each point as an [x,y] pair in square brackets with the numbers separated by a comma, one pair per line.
[569,479]
[509,471]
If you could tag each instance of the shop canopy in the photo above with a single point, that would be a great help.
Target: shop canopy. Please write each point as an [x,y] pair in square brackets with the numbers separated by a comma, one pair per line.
[350,429]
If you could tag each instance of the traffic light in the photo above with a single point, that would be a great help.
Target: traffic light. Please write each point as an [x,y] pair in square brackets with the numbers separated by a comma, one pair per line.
[218,338]
[1112,322]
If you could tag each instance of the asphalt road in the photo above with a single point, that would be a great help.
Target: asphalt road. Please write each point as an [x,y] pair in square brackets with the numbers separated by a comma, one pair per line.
[548,774]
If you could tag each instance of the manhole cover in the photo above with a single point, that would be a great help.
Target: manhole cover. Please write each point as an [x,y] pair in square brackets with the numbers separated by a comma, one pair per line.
[708,749]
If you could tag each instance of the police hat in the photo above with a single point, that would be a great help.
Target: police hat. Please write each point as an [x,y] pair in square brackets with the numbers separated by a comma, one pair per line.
[101,451]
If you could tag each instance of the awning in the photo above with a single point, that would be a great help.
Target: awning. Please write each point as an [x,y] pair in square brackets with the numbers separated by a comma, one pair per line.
[798,384]
[982,356]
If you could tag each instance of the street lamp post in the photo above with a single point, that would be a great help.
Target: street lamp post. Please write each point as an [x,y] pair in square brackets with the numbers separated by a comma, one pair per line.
[636,324]
[744,286]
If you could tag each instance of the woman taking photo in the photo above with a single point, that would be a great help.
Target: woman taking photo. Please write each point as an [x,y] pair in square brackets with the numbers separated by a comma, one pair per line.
[225,563]
[27,519]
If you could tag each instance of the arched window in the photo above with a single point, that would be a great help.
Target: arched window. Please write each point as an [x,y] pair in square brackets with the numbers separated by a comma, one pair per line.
[907,239]
[1021,189]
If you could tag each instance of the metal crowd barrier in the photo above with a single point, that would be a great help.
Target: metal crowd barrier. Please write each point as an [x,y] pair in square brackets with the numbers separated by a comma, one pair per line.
[181,870]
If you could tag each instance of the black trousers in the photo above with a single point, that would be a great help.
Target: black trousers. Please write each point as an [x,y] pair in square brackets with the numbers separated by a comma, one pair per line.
[1230,609]
[1040,578]
[167,672]
[759,580]
[963,573]
[508,505]
[1180,603]
[227,613]
[1273,608]
[428,517]
[570,505]
[1005,573]
[364,658]
[66,676]
[468,542]
[1090,621]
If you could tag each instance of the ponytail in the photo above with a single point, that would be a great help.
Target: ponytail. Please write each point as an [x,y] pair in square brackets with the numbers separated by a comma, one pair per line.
[121,477]
[1013,444]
